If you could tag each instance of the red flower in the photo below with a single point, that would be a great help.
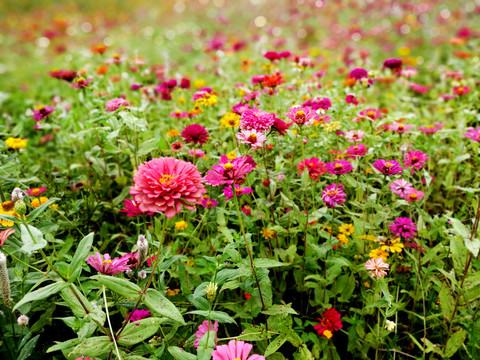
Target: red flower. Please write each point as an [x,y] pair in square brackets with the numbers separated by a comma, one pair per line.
[195,133]
[330,321]
[247,295]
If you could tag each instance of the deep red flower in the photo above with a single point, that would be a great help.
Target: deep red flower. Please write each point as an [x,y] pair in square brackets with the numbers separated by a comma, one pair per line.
[330,321]
[195,133]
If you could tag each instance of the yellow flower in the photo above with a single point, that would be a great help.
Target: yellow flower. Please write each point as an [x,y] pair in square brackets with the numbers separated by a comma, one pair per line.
[328,229]
[181,99]
[347,229]
[232,155]
[378,253]
[343,238]
[230,120]
[331,126]
[393,245]
[268,234]
[173,133]
[207,99]
[294,132]
[8,208]
[368,237]
[368,171]
[16,143]
[181,225]
[36,202]
[366,284]
[196,110]
[198,84]
[328,334]
[172,292]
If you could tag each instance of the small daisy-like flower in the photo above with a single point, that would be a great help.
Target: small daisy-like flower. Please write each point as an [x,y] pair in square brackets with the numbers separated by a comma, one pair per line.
[230,120]
[413,195]
[346,229]
[301,115]
[379,253]
[391,245]
[16,143]
[107,265]
[209,203]
[181,225]
[331,126]
[37,202]
[400,187]
[377,267]
[252,137]
[415,160]
[267,233]
[334,195]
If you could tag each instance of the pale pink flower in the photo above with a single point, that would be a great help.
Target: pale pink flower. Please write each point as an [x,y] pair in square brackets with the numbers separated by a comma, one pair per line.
[400,128]
[377,267]
[252,137]
[413,195]
[301,115]
[114,104]
[400,187]
[4,234]
[355,135]
[197,153]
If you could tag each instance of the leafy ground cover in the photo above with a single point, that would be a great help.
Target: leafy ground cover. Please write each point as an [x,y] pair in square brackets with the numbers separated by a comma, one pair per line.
[239,180]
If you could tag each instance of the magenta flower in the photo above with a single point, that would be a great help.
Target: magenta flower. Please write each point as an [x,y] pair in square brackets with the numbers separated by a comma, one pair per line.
[372,114]
[301,115]
[461,90]
[334,195]
[179,114]
[351,99]
[209,203]
[280,126]
[42,112]
[400,128]
[4,234]
[317,103]
[203,328]
[252,137]
[138,315]
[132,210]
[376,267]
[390,167]
[357,150]
[355,135]
[165,184]
[403,227]
[195,133]
[227,172]
[115,104]
[339,167]
[358,74]
[314,166]
[197,153]
[473,134]
[235,350]
[107,266]
[393,64]
[36,191]
[400,187]
[431,129]
[255,119]
[413,195]
[239,191]
[415,160]
[81,83]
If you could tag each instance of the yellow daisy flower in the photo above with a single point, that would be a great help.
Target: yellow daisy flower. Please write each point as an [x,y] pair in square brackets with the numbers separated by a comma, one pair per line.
[16,143]
[181,225]
[347,229]
[393,245]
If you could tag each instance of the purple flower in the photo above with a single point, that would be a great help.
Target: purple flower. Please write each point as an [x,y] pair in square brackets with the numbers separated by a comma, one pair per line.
[390,167]
[404,227]
[334,195]
[239,191]
[339,167]
[400,187]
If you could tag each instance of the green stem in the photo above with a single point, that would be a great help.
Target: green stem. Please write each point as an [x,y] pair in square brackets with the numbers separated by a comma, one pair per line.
[109,323]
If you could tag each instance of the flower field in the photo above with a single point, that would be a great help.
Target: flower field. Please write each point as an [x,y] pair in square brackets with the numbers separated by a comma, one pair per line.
[239,180]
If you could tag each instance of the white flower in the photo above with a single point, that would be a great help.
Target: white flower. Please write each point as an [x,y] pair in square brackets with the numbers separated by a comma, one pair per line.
[390,325]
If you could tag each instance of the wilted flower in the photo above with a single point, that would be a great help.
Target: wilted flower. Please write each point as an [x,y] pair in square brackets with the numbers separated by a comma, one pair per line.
[211,291]
[4,279]
[22,320]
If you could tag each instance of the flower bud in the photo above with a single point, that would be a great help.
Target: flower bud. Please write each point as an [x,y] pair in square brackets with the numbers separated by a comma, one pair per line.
[142,245]
[22,320]
[4,280]
[390,325]
[211,291]
[17,194]
[20,208]
[142,274]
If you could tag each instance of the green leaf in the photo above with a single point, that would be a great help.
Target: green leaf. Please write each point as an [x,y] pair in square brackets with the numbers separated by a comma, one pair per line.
[95,346]
[38,211]
[42,293]
[268,263]
[119,286]
[473,246]
[280,310]
[220,316]
[159,304]
[459,229]
[64,345]
[206,345]
[29,245]
[453,344]
[138,331]
[275,344]
[79,258]
[73,303]
[10,218]
[180,354]
[28,348]
[446,303]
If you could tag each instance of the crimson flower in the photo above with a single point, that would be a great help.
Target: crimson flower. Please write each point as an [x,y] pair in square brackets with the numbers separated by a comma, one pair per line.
[328,323]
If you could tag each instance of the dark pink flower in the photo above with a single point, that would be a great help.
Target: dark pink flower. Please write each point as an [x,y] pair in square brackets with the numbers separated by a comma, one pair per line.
[256,119]
[4,234]
[239,191]
[334,195]
[36,191]
[81,83]
[114,104]
[388,167]
[195,133]
[165,184]
[357,150]
[203,328]
[132,210]
[403,227]
[66,75]
[473,134]
[351,99]
[209,203]
[415,160]
[339,167]
[393,64]
[318,103]
[227,172]
[106,265]
[280,126]
[431,129]
[42,112]
[358,74]
[301,115]
[399,127]
[138,315]
[461,90]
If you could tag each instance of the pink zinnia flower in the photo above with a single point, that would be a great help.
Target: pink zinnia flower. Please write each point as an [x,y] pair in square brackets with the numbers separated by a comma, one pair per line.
[420,89]
[358,74]
[209,203]
[138,315]
[393,64]
[355,135]
[351,99]
[165,184]
[317,103]
[431,129]
[176,146]
[390,167]
[239,191]
[227,172]
[197,153]
[252,137]
[400,187]
[36,191]
[314,166]
[179,114]
[357,150]
[107,266]
[42,112]
[372,114]
[195,133]
[461,90]
[203,328]
[415,160]
[334,195]
[403,227]
[132,210]
[255,119]
[81,83]
[301,115]
[377,267]
[399,127]
[473,134]
[413,195]
[235,350]
[246,209]
[339,167]
[4,234]
[115,104]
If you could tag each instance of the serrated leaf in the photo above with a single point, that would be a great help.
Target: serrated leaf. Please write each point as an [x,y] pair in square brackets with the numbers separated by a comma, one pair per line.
[42,293]
[160,305]
[138,331]
[119,286]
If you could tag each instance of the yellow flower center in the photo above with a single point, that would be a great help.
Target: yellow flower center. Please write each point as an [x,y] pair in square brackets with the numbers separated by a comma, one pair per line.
[107,261]
[400,127]
[228,166]
[338,166]
[413,196]
[252,138]
[460,90]
[388,165]
[370,114]
[332,192]
[166,179]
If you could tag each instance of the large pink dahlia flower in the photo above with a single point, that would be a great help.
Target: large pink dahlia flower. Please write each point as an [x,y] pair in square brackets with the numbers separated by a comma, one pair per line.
[165,184]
